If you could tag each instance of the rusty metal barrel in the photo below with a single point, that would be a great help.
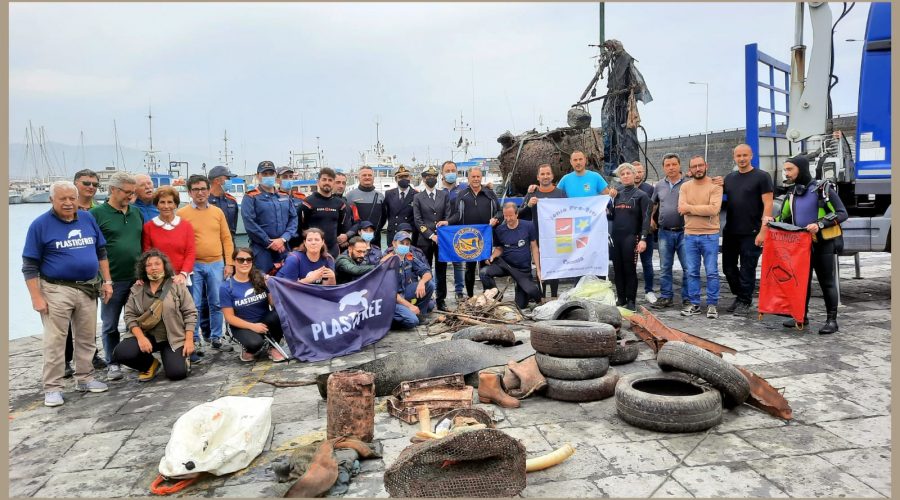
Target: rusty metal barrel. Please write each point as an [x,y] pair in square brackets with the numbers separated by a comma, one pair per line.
[351,405]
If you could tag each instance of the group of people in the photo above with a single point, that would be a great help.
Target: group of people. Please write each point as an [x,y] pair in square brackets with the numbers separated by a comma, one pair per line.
[178,278]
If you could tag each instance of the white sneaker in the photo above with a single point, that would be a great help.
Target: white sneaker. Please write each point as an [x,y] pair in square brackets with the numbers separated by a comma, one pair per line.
[651,297]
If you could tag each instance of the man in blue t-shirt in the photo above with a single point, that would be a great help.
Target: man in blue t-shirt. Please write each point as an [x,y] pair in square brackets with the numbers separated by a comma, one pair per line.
[64,252]
[515,247]
[582,182]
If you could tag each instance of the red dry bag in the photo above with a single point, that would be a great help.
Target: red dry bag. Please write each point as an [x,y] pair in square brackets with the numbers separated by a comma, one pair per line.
[785,271]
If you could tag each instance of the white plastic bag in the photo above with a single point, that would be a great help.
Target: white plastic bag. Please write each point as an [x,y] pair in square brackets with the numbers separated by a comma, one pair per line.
[588,287]
[218,437]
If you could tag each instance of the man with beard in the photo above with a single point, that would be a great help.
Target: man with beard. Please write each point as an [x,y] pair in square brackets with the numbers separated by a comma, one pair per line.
[352,265]
[368,205]
[398,202]
[325,211]
[515,248]
[748,207]
[699,202]
[528,212]
[640,175]
[431,209]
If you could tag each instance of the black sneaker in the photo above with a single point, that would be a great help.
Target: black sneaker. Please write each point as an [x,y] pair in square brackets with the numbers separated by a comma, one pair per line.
[741,309]
[662,303]
[69,371]
[219,346]
[731,307]
[442,305]
[98,362]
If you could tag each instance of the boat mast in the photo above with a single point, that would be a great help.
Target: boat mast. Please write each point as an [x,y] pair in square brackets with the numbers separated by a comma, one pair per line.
[82,150]
[463,143]
[226,155]
[150,160]
[118,148]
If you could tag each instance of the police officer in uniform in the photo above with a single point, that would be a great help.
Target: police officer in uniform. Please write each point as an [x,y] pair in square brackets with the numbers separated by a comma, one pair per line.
[219,178]
[286,187]
[431,210]
[399,203]
[270,219]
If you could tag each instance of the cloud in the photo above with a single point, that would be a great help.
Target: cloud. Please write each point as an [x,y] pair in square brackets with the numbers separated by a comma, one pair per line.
[48,83]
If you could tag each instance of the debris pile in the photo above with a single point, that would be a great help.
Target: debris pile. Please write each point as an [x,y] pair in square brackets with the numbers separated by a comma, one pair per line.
[574,357]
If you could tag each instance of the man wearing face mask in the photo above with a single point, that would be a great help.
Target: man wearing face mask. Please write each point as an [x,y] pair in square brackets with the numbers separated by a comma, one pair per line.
[286,187]
[367,234]
[399,203]
[270,219]
[327,212]
[367,205]
[414,285]
[815,206]
[449,184]
[431,209]
[354,263]
[219,182]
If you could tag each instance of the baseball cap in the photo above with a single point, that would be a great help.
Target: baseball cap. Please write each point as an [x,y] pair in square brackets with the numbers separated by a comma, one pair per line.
[402,235]
[403,226]
[365,224]
[283,170]
[219,171]
[264,166]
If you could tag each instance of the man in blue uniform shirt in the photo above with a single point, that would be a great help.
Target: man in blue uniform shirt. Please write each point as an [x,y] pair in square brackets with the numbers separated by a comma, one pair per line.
[414,285]
[270,219]
[515,248]
[219,179]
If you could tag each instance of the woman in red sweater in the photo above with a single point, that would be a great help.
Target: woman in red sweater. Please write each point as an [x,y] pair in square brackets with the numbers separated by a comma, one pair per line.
[171,234]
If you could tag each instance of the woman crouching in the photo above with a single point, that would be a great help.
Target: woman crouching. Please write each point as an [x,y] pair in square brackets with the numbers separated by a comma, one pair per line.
[160,316]
[245,303]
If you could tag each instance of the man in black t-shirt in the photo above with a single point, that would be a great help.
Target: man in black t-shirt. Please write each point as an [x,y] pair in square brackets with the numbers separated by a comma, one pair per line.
[325,211]
[515,247]
[528,211]
[748,207]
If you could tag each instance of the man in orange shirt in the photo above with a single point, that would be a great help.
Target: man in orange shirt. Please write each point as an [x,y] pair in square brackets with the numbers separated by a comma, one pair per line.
[700,202]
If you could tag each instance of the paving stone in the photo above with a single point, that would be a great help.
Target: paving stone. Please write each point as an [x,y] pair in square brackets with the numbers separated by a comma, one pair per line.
[36,453]
[746,417]
[776,354]
[811,409]
[105,483]
[362,487]
[91,452]
[535,442]
[285,434]
[251,490]
[572,488]
[872,466]
[794,440]
[873,431]
[640,485]
[138,451]
[586,462]
[717,481]
[646,456]
[581,433]
[179,401]
[540,410]
[811,476]
[711,449]
[27,486]
[293,412]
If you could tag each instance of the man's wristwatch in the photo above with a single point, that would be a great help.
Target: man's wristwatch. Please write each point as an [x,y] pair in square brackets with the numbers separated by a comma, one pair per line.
[821,224]
[108,282]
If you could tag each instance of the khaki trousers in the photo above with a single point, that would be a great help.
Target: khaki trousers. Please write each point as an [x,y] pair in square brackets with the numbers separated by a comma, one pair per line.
[68,305]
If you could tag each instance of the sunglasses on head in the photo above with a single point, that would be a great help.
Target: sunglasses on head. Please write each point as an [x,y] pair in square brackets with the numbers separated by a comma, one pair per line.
[89,183]
[244,260]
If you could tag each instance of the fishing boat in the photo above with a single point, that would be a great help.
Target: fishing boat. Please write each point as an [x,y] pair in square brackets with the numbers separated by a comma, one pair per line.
[15,197]
[382,164]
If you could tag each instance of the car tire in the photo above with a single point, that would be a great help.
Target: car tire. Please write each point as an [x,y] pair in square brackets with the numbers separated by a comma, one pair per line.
[573,339]
[626,352]
[588,310]
[489,334]
[580,391]
[719,373]
[571,368]
[667,402]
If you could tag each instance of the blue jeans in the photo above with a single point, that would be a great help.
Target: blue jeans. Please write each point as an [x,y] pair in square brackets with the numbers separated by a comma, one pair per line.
[404,319]
[458,277]
[647,265]
[707,247]
[205,283]
[671,243]
[109,316]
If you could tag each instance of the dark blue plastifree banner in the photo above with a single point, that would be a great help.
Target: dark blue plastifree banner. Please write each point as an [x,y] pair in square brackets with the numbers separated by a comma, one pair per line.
[323,322]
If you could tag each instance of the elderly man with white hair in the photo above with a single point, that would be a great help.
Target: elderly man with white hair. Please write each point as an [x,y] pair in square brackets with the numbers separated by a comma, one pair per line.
[63,255]
[144,197]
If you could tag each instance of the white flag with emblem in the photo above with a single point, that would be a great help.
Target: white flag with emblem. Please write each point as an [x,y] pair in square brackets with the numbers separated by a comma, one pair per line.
[573,237]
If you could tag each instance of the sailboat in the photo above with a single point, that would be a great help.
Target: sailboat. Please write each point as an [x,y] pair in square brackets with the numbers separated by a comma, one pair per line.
[39,192]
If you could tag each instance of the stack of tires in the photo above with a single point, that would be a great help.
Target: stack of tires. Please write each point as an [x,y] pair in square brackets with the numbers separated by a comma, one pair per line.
[625,351]
[574,358]
[672,400]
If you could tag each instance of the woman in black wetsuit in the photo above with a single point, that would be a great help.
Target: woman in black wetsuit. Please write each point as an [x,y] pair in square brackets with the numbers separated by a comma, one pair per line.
[630,215]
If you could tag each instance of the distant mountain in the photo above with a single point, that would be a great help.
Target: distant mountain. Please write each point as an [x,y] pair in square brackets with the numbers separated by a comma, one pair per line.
[66,159]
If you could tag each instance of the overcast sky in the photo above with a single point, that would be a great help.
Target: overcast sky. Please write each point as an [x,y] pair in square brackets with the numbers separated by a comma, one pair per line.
[277,74]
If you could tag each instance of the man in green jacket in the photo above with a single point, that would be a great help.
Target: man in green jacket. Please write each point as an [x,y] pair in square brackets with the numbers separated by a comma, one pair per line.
[352,264]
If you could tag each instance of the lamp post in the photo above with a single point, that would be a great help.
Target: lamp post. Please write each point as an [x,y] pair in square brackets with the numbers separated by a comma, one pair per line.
[705,148]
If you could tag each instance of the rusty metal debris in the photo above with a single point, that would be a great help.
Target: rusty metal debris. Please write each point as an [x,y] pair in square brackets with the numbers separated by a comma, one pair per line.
[765,397]
[438,394]
[655,333]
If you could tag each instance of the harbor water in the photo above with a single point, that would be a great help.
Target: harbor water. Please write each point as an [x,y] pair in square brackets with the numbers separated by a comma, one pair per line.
[23,320]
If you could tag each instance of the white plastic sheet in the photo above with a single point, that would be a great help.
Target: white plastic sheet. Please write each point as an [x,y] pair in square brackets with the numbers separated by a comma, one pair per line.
[218,437]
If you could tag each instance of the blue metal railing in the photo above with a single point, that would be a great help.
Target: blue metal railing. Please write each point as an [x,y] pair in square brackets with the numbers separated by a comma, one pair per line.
[752,59]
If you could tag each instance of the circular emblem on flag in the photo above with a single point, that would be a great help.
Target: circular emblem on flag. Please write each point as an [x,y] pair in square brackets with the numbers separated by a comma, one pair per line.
[468,243]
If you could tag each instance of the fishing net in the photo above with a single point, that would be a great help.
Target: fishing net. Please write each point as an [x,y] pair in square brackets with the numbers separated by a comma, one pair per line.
[479,463]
